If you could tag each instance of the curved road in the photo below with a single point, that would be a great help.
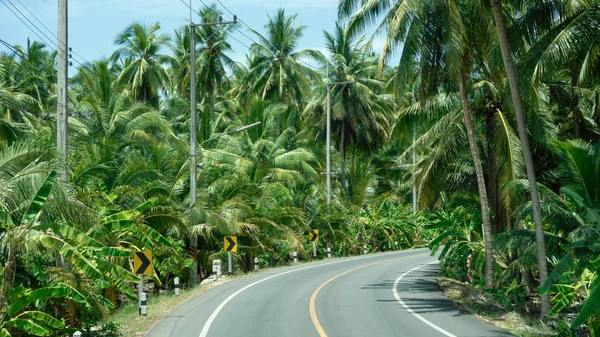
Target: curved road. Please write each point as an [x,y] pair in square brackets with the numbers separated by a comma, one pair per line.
[387,294]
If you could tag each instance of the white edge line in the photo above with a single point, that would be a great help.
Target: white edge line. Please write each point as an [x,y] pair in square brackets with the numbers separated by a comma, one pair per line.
[207,325]
[411,311]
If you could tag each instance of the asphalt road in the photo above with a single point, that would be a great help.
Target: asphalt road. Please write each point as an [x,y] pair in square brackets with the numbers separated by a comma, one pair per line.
[387,294]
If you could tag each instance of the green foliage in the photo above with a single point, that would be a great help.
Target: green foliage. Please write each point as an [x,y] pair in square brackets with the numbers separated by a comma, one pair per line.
[171,259]
[70,244]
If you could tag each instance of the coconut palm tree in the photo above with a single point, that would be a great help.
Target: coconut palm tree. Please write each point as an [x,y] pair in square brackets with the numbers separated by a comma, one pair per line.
[212,62]
[277,72]
[180,62]
[513,80]
[361,110]
[142,62]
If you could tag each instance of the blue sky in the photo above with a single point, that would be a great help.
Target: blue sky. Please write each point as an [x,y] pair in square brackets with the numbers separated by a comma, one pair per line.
[93,24]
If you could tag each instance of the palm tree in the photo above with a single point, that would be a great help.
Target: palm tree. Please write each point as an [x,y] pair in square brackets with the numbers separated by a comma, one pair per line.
[522,129]
[420,26]
[212,61]
[361,111]
[277,72]
[143,69]
[180,62]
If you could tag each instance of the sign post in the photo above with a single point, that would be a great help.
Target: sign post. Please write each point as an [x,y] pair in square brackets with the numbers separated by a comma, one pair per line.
[230,246]
[313,235]
[142,265]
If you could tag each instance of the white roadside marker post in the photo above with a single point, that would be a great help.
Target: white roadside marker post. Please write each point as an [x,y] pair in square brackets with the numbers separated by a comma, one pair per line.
[143,305]
[295,257]
[176,286]
[256,264]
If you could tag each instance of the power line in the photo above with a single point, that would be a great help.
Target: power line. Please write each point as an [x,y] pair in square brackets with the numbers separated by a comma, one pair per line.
[75,105]
[38,29]
[20,19]
[238,41]
[250,28]
[48,41]
[230,12]
[188,6]
[38,20]
[47,29]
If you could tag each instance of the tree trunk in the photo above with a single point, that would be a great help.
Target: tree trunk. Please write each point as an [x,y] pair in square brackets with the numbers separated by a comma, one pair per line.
[211,97]
[575,102]
[596,111]
[522,128]
[492,177]
[487,227]
[343,157]
[8,273]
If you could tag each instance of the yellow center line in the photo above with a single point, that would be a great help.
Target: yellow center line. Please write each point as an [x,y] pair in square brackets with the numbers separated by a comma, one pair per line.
[313,298]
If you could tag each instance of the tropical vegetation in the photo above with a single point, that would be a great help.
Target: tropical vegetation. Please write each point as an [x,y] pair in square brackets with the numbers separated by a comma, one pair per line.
[485,113]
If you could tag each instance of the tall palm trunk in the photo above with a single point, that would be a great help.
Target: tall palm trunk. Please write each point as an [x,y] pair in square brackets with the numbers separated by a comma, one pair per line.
[575,102]
[485,213]
[521,125]
[7,276]
[211,98]
[343,156]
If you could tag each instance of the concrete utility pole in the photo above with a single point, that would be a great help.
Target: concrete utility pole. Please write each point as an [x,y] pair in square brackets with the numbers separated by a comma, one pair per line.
[193,148]
[193,133]
[328,153]
[414,161]
[62,118]
[414,169]
[328,141]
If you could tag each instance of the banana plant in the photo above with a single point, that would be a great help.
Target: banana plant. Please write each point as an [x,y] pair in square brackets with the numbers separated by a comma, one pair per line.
[462,241]
[577,275]
[21,314]
[17,304]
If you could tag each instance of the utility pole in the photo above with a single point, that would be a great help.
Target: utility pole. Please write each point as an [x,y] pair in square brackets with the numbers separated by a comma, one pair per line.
[328,138]
[62,118]
[414,161]
[193,149]
[414,169]
[328,146]
[328,150]
[193,135]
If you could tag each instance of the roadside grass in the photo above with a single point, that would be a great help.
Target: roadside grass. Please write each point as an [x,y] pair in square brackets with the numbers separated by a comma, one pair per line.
[490,311]
[158,306]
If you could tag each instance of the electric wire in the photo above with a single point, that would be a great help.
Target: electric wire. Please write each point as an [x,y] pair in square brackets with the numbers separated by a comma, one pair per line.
[48,41]
[48,30]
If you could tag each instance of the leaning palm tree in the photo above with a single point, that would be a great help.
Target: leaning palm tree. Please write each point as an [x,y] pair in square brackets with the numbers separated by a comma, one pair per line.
[435,34]
[513,80]
[143,69]
[277,71]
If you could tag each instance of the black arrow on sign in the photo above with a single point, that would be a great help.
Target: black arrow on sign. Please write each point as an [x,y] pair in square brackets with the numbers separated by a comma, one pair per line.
[231,244]
[313,235]
[145,262]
